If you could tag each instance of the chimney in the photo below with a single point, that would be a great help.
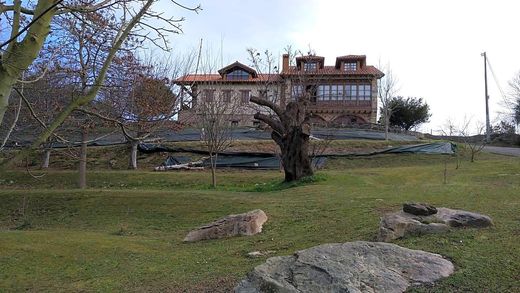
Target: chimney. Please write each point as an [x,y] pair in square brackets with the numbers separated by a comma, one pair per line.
[285,62]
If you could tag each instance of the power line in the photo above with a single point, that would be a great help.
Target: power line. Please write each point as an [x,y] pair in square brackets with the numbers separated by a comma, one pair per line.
[35,19]
[496,79]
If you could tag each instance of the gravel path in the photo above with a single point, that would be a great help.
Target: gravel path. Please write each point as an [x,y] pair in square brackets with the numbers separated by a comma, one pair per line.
[503,150]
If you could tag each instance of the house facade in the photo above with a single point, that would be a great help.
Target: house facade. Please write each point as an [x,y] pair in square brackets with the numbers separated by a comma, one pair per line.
[341,94]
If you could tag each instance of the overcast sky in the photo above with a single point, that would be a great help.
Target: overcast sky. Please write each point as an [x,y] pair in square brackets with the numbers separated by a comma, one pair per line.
[433,47]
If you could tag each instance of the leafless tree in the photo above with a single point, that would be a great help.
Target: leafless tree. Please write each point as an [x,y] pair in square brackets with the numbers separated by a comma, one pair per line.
[448,128]
[513,100]
[387,88]
[214,111]
[129,20]
[474,143]
[291,128]
[319,146]
[144,100]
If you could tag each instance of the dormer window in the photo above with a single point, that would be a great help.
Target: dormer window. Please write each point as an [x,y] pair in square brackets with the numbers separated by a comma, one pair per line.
[237,75]
[310,66]
[350,66]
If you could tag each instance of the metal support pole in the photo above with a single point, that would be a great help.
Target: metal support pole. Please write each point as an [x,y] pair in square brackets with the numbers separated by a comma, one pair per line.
[488,125]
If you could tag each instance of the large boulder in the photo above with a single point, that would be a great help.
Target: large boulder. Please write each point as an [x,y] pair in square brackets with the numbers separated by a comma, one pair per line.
[460,218]
[396,225]
[249,223]
[419,209]
[349,267]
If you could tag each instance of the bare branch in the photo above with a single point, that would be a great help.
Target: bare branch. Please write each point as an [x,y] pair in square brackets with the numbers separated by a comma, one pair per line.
[273,123]
[15,120]
[34,20]
[24,10]
[264,102]
[91,8]
[33,114]
[119,123]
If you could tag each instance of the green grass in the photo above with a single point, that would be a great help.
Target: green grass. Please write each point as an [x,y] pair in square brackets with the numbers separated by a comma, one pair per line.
[125,232]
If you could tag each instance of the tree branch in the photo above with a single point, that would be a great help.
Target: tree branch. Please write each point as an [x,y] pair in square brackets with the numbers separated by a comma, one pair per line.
[119,123]
[15,120]
[275,125]
[33,114]
[35,19]
[267,103]
[5,8]
[91,94]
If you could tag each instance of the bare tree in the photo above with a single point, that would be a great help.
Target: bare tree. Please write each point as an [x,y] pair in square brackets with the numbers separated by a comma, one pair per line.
[387,88]
[143,100]
[214,110]
[129,20]
[290,125]
[448,128]
[319,146]
[474,143]
[290,130]
[513,100]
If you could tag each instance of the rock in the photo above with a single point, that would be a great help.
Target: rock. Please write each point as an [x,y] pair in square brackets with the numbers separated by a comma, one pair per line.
[396,225]
[349,267]
[419,209]
[459,218]
[249,223]
[255,254]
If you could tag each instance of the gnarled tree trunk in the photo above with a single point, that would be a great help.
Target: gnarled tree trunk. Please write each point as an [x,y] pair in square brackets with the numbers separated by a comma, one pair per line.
[291,131]
[295,154]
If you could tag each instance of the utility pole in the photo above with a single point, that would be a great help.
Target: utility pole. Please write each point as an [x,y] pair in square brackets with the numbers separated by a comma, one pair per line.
[488,126]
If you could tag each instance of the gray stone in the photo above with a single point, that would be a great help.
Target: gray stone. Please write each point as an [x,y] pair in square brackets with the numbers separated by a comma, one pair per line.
[459,218]
[419,209]
[256,254]
[349,267]
[249,223]
[396,225]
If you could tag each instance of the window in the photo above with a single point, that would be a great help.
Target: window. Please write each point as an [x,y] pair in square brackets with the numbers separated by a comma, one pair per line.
[350,92]
[326,92]
[208,95]
[321,92]
[226,96]
[332,92]
[297,91]
[234,123]
[245,95]
[365,92]
[311,66]
[350,66]
[341,95]
[237,75]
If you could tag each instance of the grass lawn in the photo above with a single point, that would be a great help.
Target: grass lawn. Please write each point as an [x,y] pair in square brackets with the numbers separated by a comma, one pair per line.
[125,232]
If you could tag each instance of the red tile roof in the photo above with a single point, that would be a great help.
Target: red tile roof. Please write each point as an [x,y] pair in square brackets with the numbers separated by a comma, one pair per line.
[348,58]
[217,78]
[310,57]
[352,57]
[238,65]
[332,70]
